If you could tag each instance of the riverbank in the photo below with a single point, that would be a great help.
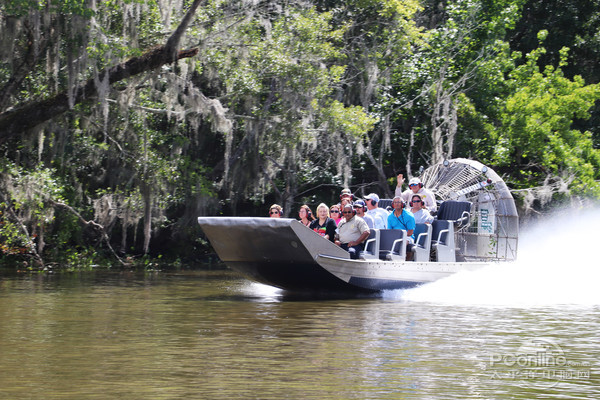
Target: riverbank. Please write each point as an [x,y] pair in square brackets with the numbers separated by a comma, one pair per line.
[85,262]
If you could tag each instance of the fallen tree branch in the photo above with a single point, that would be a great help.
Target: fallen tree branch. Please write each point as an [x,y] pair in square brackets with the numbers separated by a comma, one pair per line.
[94,225]
[22,119]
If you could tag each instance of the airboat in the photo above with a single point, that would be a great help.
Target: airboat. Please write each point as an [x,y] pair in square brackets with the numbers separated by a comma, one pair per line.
[476,225]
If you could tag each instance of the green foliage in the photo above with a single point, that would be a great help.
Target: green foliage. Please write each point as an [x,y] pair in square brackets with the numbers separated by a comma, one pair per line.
[280,82]
[536,130]
[25,207]
[353,121]
[285,103]
[22,7]
[12,240]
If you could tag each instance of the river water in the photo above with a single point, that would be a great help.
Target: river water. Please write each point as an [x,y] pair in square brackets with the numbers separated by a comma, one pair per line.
[526,330]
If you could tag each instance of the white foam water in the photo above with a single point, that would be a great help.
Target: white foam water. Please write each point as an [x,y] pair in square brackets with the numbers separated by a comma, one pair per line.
[558,264]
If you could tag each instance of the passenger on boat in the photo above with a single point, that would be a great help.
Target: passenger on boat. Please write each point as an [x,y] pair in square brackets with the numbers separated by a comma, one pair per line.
[379,214]
[402,219]
[415,186]
[346,194]
[305,215]
[345,200]
[352,232]
[360,207]
[421,214]
[345,197]
[324,225]
[335,213]
[275,211]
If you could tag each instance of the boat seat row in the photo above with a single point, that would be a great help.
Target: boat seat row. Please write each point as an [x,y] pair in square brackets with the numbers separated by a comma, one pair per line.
[433,241]
[392,244]
[459,212]
[386,204]
[443,244]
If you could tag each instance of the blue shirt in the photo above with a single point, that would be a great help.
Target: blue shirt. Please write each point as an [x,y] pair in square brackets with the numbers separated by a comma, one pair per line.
[406,221]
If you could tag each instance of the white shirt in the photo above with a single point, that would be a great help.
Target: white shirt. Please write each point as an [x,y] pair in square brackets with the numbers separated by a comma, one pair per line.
[379,217]
[422,216]
[426,195]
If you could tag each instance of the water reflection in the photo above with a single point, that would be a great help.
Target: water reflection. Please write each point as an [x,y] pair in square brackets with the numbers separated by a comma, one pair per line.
[211,334]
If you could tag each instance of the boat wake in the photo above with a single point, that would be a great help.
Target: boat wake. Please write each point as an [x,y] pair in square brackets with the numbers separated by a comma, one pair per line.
[557,265]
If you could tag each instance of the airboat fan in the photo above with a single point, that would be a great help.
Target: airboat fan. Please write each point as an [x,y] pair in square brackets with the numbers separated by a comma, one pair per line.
[493,230]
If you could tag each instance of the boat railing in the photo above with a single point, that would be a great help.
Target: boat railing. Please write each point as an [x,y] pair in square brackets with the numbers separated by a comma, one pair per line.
[443,243]
[422,247]
[393,243]
[371,250]
[459,212]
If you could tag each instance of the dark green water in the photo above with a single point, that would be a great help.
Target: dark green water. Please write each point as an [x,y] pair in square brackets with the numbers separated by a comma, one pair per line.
[214,335]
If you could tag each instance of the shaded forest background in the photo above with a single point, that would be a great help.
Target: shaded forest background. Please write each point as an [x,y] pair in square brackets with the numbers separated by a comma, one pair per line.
[122,121]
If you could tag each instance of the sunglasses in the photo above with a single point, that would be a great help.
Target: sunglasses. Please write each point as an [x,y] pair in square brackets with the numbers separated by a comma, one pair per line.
[416,201]
[335,211]
[274,212]
[358,206]
[414,184]
[346,212]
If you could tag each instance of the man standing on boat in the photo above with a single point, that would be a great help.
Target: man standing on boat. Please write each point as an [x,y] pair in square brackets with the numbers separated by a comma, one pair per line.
[415,186]
[352,232]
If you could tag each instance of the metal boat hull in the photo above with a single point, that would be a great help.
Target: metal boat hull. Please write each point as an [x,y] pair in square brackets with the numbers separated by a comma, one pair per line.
[286,254]
[297,277]
[270,251]
[385,275]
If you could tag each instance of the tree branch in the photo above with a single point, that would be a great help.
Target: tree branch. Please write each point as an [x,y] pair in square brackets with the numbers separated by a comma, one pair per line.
[14,122]
[24,229]
[93,224]
[20,72]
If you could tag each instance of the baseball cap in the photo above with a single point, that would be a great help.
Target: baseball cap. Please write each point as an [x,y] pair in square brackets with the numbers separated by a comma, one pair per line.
[346,192]
[414,181]
[360,203]
[372,196]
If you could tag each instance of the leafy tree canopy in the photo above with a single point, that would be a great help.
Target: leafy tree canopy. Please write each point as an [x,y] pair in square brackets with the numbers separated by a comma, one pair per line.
[121,121]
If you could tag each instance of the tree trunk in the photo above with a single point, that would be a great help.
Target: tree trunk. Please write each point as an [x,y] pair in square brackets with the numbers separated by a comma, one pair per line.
[147,194]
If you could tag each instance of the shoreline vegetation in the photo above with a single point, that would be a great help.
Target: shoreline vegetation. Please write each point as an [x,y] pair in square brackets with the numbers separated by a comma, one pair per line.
[122,122]
[203,257]
[24,265]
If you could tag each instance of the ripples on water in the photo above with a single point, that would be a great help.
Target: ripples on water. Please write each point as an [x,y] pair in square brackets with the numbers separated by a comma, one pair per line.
[215,335]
